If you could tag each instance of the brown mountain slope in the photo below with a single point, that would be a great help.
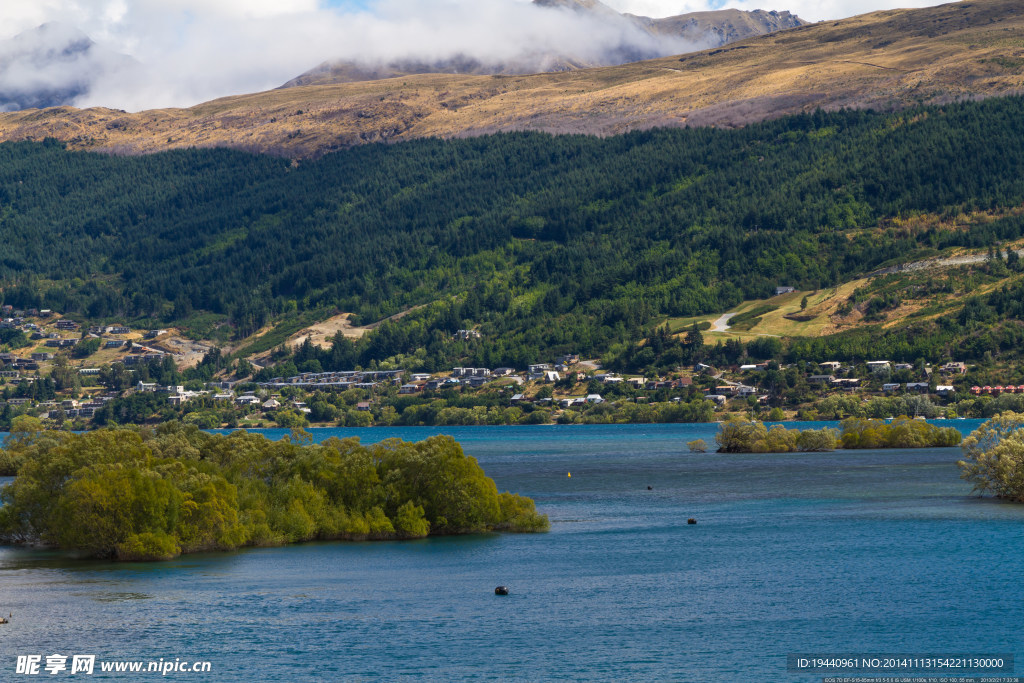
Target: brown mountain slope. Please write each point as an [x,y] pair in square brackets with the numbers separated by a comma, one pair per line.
[884,59]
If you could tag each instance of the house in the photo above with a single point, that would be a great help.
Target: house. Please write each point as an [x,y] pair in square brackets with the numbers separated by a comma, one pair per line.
[519,398]
[725,390]
[891,387]
[716,399]
[570,401]
[503,372]
[955,368]
[363,406]
[88,371]
[569,359]
[945,390]
[551,376]
[114,343]
[743,390]
[45,313]
[467,334]
[223,397]
[594,398]
[247,400]
[67,325]
[918,387]
[118,329]
[821,379]
[145,386]
[637,382]
[9,374]
[154,333]
[851,384]
[271,404]
[178,400]
[878,365]
[759,367]
[537,370]
[42,356]
[903,366]
[421,376]
[410,388]
[785,289]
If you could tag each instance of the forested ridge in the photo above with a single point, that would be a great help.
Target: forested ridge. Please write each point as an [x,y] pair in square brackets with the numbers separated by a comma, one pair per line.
[545,243]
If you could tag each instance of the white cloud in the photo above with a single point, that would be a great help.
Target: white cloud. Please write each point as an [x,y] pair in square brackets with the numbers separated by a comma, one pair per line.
[195,50]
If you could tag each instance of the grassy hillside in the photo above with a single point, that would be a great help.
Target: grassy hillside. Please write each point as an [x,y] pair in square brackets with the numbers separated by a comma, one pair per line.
[884,60]
[544,244]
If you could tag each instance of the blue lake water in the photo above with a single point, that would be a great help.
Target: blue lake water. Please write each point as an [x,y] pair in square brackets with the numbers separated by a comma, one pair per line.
[847,552]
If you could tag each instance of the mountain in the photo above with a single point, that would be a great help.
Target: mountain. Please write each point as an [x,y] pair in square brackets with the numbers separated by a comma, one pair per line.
[51,66]
[633,38]
[546,244]
[883,60]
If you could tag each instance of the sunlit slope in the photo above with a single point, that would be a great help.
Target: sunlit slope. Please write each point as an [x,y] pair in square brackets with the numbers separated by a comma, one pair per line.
[881,60]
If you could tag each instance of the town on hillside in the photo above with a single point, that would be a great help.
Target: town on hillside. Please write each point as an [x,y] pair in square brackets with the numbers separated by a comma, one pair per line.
[68,373]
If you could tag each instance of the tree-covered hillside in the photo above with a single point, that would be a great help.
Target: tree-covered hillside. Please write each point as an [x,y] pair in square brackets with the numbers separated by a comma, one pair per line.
[544,243]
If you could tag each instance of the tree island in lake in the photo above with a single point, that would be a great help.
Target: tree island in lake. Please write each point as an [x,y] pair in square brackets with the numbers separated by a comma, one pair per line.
[741,435]
[139,494]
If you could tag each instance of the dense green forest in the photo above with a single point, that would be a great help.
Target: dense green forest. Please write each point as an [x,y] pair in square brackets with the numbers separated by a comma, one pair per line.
[546,244]
[138,494]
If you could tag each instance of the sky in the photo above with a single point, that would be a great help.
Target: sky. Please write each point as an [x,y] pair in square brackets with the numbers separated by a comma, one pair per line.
[190,51]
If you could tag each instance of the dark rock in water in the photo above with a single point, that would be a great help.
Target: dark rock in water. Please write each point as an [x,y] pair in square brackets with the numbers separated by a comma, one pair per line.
[650,488]
[501,590]
[691,520]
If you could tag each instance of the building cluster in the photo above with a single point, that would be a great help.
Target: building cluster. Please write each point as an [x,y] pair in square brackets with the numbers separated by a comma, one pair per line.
[734,383]
[996,390]
[347,379]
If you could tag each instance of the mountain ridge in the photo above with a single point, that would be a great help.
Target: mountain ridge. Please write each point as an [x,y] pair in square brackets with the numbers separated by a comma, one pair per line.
[882,60]
[695,29]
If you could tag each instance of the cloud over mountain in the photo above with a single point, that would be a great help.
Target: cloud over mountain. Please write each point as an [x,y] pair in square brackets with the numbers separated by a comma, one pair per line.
[191,51]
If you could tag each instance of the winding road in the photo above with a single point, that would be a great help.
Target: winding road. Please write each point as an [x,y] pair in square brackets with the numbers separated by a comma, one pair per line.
[722,324]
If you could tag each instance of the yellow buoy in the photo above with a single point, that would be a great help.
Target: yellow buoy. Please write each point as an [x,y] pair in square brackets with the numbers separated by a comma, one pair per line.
[570,474]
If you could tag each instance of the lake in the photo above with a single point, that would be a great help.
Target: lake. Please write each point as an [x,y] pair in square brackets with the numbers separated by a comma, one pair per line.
[860,552]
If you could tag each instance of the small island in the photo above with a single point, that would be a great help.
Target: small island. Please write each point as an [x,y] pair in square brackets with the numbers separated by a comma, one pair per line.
[743,435]
[152,494]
